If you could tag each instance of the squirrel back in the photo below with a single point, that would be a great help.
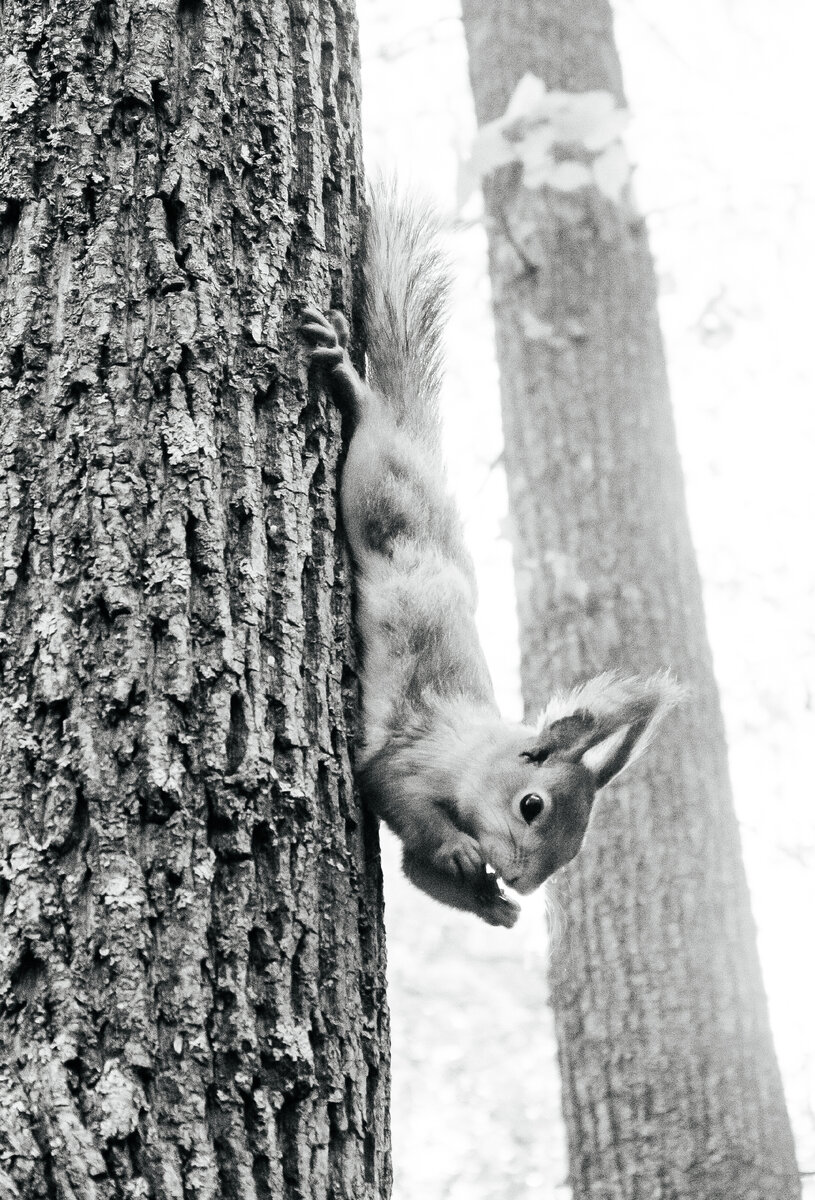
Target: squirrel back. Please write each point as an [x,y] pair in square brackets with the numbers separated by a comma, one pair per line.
[407,284]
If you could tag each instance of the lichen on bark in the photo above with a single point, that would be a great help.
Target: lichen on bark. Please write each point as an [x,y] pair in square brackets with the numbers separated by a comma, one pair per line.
[192,955]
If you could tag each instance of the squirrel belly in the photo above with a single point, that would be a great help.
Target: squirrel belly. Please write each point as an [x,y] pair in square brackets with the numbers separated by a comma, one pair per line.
[476,801]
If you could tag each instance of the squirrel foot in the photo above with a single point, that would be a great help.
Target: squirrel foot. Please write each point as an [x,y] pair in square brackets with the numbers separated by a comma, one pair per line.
[329,335]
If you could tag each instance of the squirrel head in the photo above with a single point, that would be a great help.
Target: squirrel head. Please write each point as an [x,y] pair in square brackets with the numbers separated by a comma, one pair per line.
[547,788]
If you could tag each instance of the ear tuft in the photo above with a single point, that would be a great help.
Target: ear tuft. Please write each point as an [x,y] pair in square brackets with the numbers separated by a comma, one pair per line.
[606,722]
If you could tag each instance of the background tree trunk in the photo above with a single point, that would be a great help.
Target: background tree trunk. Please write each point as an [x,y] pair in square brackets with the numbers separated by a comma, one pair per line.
[192,957]
[670,1084]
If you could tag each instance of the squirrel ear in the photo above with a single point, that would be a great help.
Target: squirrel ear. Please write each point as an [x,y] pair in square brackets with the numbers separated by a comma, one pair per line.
[606,722]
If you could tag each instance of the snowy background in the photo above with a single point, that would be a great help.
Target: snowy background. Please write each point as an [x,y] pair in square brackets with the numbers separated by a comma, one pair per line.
[722,99]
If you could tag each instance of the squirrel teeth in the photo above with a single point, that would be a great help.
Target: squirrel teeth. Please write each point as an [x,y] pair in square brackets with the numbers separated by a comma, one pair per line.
[493,877]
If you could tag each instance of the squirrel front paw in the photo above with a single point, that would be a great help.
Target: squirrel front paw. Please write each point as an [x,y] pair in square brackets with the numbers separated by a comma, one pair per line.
[460,857]
[479,893]
[499,910]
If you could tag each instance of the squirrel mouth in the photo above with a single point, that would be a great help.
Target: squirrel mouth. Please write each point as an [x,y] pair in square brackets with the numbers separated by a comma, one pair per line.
[495,882]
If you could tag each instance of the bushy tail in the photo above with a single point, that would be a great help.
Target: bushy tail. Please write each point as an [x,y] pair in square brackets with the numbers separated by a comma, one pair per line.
[407,281]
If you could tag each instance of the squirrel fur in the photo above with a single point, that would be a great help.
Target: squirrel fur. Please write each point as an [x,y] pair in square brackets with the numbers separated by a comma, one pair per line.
[476,801]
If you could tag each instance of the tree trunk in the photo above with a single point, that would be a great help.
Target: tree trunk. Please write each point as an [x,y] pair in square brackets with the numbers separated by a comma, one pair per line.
[670,1084]
[192,962]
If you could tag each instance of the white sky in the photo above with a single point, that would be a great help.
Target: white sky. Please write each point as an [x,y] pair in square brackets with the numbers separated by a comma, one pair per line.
[722,101]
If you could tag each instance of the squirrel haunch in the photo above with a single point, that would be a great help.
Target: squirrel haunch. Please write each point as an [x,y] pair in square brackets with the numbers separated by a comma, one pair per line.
[475,800]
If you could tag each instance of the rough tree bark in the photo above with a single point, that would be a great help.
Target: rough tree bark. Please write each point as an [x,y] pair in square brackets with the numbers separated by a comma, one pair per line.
[192,957]
[670,1084]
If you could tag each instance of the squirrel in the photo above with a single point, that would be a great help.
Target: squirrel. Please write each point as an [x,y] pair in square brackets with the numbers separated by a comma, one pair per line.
[477,802]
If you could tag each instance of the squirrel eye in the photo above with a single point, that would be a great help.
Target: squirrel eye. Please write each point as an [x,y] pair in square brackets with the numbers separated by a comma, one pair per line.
[531,806]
